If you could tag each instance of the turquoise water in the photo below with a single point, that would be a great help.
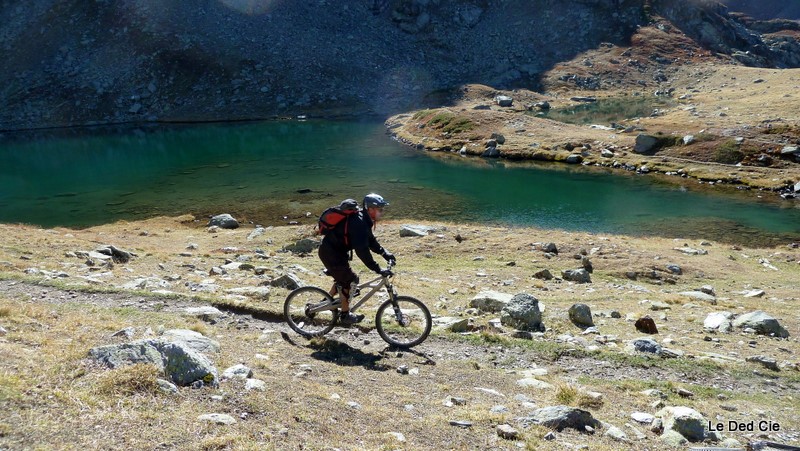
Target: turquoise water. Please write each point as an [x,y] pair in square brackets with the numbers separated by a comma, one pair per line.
[278,172]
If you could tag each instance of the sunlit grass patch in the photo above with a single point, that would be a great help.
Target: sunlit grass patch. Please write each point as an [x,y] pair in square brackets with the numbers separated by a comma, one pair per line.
[566,394]
[11,387]
[450,123]
[129,380]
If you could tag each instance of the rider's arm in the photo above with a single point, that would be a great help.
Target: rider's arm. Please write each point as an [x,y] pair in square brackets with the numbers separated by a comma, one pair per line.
[366,256]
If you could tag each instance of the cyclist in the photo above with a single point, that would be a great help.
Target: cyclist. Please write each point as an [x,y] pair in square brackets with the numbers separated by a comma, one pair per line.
[354,234]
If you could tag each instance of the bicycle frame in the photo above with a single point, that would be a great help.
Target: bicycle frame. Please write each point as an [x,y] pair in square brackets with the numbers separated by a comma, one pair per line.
[382,282]
[374,286]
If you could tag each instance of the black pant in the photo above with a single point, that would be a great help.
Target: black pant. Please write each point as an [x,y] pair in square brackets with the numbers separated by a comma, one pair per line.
[337,262]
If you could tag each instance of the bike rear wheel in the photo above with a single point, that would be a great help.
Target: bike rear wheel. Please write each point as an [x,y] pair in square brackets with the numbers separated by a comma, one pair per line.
[307,324]
[404,323]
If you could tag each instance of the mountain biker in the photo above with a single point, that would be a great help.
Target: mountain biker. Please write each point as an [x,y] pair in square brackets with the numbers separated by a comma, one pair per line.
[335,250]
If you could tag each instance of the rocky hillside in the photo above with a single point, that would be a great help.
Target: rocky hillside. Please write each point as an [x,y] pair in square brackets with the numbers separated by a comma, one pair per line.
[766,9]
[76,63]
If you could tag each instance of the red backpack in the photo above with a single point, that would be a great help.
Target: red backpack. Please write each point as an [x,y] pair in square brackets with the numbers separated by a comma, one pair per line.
[332,216]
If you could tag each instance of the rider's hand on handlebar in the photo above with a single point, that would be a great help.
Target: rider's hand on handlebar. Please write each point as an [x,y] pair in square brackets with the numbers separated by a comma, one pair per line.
[389,257]
[386,272]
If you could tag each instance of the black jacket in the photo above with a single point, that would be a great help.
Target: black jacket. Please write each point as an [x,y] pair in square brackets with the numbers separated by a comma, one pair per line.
[355,233]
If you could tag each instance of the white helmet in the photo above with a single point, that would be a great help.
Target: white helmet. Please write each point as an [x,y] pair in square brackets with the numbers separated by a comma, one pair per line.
[374,200]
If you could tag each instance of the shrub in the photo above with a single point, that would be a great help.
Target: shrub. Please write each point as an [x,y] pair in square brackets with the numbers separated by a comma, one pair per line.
[728,153]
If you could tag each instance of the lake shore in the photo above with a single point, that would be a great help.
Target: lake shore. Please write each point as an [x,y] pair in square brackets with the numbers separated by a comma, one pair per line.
[727,125]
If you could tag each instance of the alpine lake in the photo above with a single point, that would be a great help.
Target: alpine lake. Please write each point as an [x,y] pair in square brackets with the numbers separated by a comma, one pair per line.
[287,172]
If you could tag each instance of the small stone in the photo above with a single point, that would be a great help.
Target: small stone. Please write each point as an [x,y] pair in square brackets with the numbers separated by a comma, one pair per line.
[642,417]
[217,418]
[507,432]
[455,401]
[461,423]
[766,362]
[616,433]
[684,393]
[255,384]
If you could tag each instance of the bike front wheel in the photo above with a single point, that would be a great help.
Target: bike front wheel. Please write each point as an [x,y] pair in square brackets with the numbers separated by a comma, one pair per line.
[301,320]
[404,322]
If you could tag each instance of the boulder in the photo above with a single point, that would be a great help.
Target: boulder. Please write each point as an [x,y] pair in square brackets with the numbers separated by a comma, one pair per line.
[581,315]
[499,138]
[491,152]
[413,230]
[646,325]
[687,422]
[672,439]
[504,101]
[767,362]
[182,364]
[544,274]
[550,248]
[762,323]
[192,339]
[223,221]
[645,143]
[288,281]
[720,321]
[576,275]
[562,417]
[117,255]
[790,150]
[522,312]
[647,345]
[490,301]
[238,371]
[451,323]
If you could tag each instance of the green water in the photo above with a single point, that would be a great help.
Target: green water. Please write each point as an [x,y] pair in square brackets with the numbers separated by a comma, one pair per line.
[277,172]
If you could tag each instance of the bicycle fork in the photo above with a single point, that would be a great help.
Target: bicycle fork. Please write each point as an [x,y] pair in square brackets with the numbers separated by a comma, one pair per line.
[398,314]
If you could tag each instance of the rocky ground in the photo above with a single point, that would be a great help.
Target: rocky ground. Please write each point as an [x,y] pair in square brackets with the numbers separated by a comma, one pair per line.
[60,299]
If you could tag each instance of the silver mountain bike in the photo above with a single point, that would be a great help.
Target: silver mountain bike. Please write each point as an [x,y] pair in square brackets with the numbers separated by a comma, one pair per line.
[401,321]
